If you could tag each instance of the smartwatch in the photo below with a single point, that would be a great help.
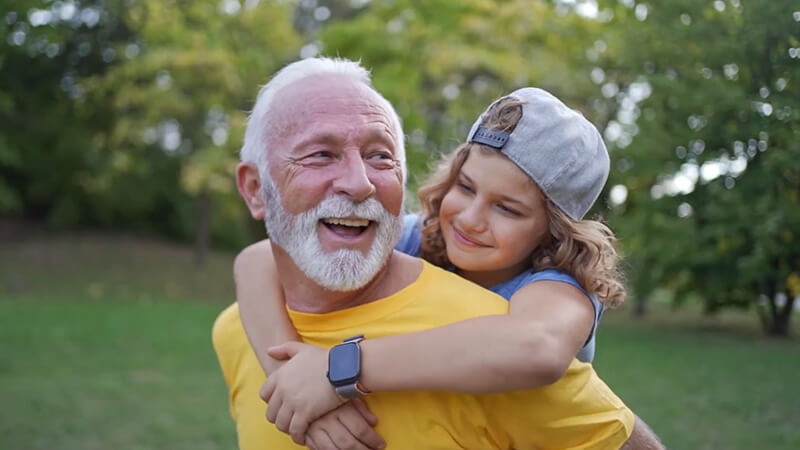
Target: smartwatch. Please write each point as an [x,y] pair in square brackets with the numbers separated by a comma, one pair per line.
[344,368]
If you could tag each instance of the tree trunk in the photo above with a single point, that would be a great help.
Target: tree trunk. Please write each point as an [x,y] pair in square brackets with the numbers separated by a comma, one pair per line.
[640,308]
[781,318]
[202,218]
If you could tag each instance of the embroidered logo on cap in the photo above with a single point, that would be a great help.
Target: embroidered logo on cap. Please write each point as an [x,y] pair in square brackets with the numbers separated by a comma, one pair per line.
[492,138]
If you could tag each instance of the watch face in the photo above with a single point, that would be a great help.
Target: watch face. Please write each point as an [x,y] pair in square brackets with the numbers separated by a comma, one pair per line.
[344,363]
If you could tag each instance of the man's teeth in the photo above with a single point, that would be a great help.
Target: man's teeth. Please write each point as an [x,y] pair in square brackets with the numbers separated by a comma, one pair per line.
[347,222]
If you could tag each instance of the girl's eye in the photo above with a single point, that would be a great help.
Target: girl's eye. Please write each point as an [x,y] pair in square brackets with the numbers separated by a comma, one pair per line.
[465,187]
[508,210]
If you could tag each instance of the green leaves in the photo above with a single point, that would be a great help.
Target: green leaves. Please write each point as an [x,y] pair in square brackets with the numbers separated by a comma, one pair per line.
[712,125]
[138,109]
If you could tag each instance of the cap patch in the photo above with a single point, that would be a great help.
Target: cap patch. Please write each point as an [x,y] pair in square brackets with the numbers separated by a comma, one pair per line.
[492,138]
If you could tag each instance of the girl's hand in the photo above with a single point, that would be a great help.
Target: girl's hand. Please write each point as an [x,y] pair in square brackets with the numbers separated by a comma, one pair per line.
[348,426]
[299,392]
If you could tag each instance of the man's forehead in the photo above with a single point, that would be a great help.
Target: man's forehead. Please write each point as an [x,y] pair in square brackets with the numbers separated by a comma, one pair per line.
[316,91]
[327,95]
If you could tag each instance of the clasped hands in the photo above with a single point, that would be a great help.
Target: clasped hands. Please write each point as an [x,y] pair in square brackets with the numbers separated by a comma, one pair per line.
[302,403]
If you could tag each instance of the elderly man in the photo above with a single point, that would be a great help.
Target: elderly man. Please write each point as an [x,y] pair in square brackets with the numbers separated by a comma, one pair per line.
[323,164]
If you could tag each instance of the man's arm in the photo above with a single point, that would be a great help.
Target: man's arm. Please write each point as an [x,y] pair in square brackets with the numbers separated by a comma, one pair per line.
[642,438]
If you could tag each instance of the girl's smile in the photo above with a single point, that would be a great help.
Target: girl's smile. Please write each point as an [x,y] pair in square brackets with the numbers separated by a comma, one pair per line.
[463,238]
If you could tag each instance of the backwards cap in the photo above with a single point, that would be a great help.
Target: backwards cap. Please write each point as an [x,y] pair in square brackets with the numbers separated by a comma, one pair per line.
[556,146]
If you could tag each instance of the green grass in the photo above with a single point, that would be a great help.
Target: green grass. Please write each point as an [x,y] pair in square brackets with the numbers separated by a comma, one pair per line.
[110,267]
[105,344]
[705,389]
[80,374]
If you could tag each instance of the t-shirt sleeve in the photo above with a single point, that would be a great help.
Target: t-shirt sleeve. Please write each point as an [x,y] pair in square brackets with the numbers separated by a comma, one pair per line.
[555,275]
[411,237]
[228,350]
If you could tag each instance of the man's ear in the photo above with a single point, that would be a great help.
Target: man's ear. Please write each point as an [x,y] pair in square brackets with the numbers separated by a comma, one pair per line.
[249,183]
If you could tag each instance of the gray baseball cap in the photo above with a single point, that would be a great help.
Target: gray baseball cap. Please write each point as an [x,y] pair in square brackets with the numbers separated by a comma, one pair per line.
[556,146]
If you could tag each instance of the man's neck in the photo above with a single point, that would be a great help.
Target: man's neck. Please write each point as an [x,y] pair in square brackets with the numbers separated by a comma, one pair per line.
[304,295]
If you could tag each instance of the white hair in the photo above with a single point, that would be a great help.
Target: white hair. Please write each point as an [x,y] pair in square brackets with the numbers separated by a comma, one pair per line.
[254,149]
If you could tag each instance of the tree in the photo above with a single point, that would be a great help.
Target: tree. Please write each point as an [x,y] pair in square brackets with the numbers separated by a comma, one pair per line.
[440,62]
[45,51]
[179,102]
[706,144]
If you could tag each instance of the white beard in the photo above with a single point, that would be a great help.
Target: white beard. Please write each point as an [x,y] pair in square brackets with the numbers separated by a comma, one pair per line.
[342,270]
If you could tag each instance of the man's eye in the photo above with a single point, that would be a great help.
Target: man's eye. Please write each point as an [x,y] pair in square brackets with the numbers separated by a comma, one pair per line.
[381,156]
[322,154]
[381,160]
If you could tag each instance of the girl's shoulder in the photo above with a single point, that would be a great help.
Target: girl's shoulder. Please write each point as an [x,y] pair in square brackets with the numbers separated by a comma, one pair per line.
[508,288]
[411,237]
[552,275]
[586,353]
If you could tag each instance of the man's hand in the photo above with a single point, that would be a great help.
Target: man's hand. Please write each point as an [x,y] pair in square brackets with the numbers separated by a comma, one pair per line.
[347,427]
[299,392]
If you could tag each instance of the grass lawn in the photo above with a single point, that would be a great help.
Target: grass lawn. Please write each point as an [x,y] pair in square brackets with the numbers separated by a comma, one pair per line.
[705,389]
[82,374]
[105,344]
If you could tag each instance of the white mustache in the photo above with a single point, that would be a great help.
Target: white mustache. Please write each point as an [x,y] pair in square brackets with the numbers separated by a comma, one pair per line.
[370,209]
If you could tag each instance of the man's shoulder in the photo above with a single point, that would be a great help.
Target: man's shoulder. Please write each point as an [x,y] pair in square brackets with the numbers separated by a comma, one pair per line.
[227,330]
[226,319]
[440,275]
[447,287]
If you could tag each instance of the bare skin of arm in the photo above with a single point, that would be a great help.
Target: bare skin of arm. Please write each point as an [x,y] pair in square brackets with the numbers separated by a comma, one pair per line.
[642,438]
[345,427]
[263,314]
[261,306]
[531,346]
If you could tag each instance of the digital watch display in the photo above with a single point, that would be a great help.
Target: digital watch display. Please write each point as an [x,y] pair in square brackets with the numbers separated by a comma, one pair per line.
[344,368]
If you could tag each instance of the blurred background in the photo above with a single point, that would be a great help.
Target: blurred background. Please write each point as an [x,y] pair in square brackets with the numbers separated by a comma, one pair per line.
[120,124]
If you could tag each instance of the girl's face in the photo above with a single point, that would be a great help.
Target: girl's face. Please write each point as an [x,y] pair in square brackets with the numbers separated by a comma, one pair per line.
[492,219]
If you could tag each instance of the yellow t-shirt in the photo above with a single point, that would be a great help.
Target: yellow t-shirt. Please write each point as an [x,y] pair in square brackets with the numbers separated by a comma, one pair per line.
[579,411]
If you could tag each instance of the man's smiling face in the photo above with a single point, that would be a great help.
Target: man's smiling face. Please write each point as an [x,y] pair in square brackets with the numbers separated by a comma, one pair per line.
[333,158]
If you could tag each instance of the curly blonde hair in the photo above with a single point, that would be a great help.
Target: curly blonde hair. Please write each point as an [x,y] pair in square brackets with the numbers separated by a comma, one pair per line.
[585,249]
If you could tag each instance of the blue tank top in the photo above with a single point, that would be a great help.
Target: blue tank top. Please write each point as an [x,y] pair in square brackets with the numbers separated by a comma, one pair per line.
[411,239]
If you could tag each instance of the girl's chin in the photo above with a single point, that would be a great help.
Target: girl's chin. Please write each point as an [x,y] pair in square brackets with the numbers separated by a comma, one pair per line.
[465,265]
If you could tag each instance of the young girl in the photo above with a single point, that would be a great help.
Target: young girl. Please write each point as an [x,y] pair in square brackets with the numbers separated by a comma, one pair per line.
[504,210]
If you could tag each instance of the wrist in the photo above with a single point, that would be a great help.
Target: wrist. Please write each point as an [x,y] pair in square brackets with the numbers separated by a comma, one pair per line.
[344,368]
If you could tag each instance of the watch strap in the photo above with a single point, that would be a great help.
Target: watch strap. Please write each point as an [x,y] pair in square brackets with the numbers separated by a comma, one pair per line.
[354,339]
[350,391]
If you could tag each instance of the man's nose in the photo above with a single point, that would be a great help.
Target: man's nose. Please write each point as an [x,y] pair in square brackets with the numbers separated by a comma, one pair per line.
[354,180]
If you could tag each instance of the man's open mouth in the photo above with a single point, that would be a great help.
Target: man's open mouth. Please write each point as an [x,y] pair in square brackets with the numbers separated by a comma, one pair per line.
[346,227]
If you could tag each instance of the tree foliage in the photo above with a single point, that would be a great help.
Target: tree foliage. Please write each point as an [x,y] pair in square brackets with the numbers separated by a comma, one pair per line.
[708,150]
[180,104]
[44,53]
[440,62]
[130,113]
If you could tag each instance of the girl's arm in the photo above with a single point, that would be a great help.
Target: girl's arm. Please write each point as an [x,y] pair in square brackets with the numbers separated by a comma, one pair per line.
[263,314]
[261,305]
[532,346]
